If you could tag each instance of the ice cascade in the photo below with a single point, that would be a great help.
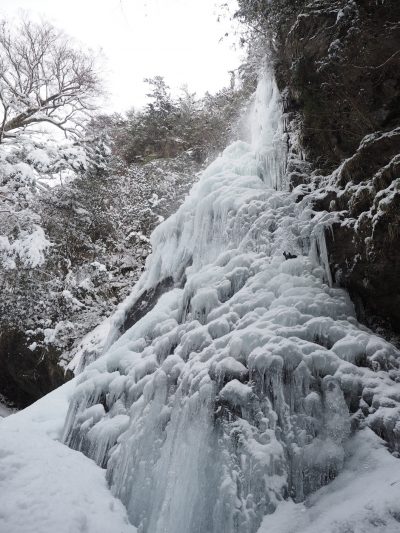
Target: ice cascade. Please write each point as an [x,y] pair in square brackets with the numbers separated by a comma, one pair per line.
[242,385]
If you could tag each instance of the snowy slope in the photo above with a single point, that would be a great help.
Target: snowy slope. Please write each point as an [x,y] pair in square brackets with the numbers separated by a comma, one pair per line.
[46,487]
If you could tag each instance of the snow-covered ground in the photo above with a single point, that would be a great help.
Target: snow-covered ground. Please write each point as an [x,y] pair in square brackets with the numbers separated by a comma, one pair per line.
[364,498]
[45,487]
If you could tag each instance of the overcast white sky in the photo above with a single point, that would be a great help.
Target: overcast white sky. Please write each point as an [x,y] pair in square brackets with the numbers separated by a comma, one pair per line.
[177,39]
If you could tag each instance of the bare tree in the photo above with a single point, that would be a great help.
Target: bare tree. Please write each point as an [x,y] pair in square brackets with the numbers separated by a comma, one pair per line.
[43,79]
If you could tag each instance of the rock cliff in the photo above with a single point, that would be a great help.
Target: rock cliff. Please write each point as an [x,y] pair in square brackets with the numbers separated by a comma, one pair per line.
[338,65]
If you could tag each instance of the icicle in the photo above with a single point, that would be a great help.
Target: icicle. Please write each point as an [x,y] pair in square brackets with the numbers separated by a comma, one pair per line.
[267,133]
[319,251]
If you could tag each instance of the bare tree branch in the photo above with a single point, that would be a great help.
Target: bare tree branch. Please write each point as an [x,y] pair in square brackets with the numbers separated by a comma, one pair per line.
[43,78]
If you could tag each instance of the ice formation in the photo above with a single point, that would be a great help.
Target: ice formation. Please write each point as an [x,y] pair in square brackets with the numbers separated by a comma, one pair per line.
[243,385]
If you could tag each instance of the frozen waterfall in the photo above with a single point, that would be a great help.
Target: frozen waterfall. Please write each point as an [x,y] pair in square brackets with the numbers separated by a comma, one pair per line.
[243,384]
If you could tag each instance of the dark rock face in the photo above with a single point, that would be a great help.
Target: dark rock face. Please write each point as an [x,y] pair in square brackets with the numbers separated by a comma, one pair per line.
[26,374]
[339,63]
[364,248]
[145,303]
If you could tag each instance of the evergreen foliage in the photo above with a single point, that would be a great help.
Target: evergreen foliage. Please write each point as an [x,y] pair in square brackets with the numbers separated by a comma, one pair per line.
[169,126]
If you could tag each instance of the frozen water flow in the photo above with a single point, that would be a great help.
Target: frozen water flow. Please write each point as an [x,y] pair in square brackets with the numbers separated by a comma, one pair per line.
[243,384]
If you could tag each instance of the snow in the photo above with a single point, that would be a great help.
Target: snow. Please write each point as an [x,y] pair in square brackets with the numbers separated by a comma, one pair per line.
[103,336]
[236,393]
[39,158]
[29,249]
[364,498]
[47,487]
[99,266]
